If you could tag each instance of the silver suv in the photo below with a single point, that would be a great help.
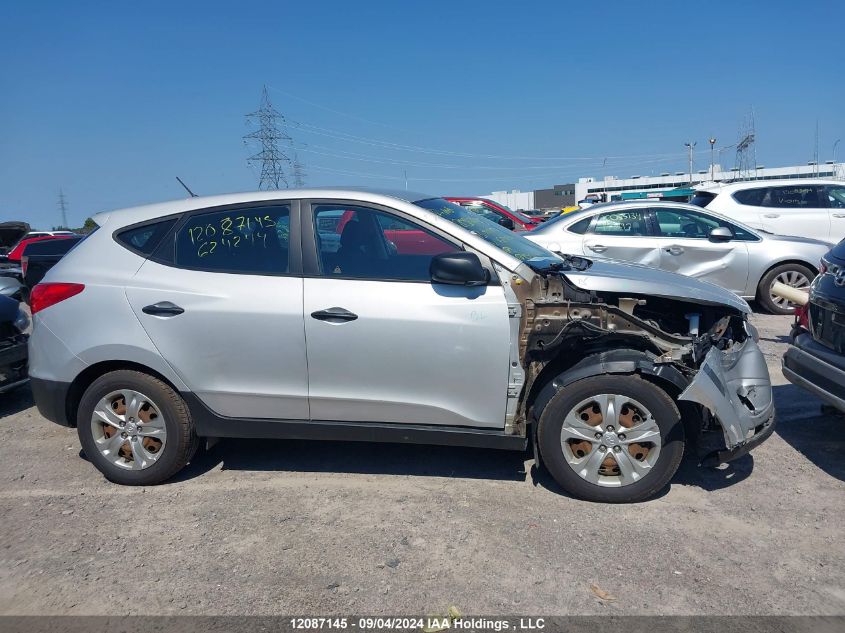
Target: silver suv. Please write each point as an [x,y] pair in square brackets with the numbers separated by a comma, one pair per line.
[392,317]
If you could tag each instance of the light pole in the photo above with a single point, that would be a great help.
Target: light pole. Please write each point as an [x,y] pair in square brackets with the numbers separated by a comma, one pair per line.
[712,158]
[690,146]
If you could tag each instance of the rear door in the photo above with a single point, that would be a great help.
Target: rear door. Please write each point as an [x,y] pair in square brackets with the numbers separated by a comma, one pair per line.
[384,343]
[222,301]
[686,248]
[797,210]
[622,235]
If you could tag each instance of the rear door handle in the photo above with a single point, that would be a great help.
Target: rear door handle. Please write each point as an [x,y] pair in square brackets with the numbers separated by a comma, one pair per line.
[771,215]
[163,308]
[334,315]
[674,250]
[598,248]
[839,215]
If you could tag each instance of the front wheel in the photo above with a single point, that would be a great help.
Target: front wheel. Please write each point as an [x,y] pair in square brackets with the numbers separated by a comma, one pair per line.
[612,438]
[135,428]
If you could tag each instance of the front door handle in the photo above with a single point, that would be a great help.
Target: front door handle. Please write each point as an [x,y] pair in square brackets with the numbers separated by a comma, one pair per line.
[771,215]
[334,315]
[839,215]
[675,250]
[163,308]
[598,248]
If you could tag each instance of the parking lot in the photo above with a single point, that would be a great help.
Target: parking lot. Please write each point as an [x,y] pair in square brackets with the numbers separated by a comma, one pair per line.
[283,527]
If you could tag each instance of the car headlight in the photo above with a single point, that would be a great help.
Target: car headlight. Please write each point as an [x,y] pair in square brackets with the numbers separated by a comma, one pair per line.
[21,321]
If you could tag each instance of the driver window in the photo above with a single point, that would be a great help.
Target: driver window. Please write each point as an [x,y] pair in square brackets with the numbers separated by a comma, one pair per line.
[364,243]
[683,224]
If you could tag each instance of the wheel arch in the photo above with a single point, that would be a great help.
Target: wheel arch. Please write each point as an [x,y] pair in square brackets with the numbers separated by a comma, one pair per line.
[87,376]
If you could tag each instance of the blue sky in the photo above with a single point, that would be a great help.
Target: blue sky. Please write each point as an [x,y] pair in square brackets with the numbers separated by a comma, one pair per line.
[111,100]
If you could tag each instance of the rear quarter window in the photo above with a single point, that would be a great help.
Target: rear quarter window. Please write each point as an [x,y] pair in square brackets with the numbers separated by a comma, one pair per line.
[751,197]
[144,239]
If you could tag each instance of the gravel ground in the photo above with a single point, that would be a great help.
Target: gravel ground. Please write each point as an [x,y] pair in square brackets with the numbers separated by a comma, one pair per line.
[283,527]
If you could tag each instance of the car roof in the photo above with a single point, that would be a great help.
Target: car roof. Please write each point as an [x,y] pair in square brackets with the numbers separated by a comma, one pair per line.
[771,182]
[132,215]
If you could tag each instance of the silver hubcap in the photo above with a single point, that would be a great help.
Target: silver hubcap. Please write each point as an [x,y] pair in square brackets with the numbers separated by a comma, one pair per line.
[790,278]
[128,429]
[610,440]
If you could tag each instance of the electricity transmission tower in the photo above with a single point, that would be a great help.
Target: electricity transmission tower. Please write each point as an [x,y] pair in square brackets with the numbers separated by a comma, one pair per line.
[63,208]
[746,154]
[298,172]
[268,137]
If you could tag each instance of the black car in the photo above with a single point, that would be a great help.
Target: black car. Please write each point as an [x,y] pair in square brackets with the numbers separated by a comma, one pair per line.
[816,358]
[13,344]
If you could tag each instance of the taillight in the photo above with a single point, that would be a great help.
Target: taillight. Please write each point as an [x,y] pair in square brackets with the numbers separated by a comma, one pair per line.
[802,316]
[46,295]
[24,264]
[822,267]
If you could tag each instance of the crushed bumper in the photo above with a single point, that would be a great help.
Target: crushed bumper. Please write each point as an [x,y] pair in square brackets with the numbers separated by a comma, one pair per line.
[735,387]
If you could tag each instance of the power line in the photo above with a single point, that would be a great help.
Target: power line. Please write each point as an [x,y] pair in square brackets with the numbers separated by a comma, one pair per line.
[268,137]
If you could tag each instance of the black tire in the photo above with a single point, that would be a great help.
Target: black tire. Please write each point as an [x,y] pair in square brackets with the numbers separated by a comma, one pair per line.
[764,287]
[657,401]
[181,442]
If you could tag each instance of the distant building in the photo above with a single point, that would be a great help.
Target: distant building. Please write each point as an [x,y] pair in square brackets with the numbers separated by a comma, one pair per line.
[557,197]
[667,185]
[514,199]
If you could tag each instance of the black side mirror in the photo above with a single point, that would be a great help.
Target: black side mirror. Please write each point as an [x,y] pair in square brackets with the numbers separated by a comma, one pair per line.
[506,222]
[721,234]
[458,268]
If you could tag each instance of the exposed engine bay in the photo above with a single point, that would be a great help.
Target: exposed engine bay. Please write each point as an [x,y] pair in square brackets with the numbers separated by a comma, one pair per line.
[705,352]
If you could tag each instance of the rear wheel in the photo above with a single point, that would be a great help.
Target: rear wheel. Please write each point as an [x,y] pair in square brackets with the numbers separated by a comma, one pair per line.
[135,428]
[612,438]
[793,275]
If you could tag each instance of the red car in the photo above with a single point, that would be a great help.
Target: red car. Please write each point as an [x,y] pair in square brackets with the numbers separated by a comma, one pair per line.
[17,251]
[499,213]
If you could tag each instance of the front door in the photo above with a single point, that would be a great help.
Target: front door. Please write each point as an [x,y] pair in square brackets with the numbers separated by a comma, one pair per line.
[225,311]
[685,247]
[624,236]
[384,343]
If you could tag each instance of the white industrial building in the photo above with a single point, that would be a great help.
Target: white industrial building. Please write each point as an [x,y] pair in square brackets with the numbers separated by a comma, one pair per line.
[612,188]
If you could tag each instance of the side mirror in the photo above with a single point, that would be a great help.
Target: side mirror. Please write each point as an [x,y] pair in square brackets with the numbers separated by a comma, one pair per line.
[458,269]
[721,234]
[506,222]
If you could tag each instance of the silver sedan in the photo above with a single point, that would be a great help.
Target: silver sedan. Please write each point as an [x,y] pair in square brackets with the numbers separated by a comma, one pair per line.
[685,239]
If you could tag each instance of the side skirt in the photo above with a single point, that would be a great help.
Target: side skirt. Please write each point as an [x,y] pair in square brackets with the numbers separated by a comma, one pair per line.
[210,424]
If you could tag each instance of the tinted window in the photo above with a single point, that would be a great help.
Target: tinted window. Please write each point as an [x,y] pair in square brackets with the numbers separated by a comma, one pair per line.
[794,197]
[752,197]
[836,196]
[144,239]
[249,240]
[365,243]
[499,236]
[630,223]
[702,198]
[680,223]
[580,227]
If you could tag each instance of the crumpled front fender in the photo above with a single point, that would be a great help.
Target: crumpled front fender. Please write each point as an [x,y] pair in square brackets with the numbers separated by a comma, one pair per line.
[735,386]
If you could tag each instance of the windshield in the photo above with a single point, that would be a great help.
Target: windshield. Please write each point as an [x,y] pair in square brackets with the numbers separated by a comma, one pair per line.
[499,236]
[518,214]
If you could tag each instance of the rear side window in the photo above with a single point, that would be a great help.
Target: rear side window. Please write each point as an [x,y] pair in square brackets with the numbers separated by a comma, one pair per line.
[144,239]
[622,223]
[794,197]
[751,197]
[251,240]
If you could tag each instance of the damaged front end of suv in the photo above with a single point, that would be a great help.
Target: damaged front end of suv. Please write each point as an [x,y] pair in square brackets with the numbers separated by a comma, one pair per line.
[579,318]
